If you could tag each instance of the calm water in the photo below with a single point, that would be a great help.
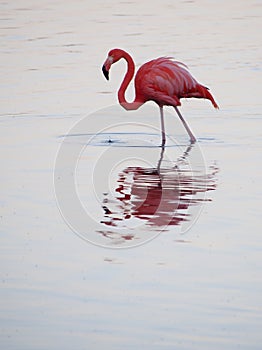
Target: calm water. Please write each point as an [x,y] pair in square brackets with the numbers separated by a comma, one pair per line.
[191,287]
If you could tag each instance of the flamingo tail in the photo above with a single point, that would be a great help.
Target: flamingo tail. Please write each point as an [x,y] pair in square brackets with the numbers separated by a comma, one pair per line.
[208,95]
[200,91]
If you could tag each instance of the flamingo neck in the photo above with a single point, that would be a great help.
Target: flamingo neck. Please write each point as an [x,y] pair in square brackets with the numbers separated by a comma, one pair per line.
[128,77]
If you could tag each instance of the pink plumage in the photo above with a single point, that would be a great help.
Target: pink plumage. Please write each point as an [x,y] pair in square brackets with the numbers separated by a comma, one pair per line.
[165,81]
[162,80]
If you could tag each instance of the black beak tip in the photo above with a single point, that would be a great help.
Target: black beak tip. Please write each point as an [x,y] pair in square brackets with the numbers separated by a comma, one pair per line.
[105,72]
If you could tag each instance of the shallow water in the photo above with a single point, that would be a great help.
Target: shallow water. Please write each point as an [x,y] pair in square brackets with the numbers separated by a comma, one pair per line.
[189,287]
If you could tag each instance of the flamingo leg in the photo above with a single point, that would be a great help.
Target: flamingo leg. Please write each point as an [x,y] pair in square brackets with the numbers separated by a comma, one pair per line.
[162,126]
[192,137]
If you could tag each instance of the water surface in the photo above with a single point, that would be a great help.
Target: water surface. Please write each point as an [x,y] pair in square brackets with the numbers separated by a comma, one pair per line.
[198,289]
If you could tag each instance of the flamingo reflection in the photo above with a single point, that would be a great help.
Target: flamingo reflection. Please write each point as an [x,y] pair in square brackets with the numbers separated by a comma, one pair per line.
[158,196]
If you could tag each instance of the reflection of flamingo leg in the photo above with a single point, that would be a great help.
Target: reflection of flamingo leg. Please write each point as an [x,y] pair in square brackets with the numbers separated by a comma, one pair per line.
[163,133]
[181,158]
[185,154]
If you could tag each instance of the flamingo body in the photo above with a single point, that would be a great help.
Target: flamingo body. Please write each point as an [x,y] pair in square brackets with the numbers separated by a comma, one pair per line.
[166,81]
[161,80]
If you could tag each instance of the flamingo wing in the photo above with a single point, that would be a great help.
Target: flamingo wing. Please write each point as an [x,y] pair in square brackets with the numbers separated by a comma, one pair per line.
[165,81]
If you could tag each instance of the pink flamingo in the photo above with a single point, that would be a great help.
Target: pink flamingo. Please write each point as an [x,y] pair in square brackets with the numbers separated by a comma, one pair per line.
[161,80]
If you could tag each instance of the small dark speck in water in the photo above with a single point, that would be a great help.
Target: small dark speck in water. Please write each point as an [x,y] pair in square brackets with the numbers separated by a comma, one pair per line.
[109,140]
[111,260]
[108,259]
[182,241]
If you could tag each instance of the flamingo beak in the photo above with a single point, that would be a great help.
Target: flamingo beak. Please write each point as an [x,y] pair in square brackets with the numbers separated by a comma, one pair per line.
[106,66]
[105,72]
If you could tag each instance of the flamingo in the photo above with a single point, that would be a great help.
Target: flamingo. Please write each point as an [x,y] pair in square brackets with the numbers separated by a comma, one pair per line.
[161,80]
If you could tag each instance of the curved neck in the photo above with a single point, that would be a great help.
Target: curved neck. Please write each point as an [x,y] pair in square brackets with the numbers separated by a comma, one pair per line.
[128,77]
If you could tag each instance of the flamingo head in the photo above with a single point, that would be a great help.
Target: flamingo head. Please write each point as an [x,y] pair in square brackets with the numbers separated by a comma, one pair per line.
[113,56]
